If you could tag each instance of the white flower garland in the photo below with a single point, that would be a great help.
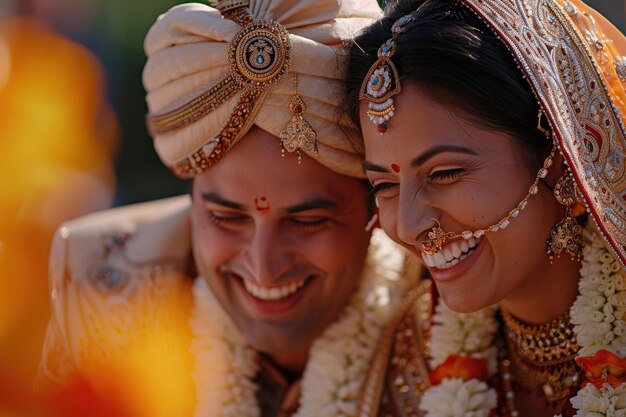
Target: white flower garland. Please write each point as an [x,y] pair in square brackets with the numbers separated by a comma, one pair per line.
[600,309]
[607,401]
[225,364]
[455,397]
[338,361]
[464,335]
[599,316]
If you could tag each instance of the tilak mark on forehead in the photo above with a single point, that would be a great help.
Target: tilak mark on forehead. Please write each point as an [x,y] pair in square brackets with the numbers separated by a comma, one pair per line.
[262,204]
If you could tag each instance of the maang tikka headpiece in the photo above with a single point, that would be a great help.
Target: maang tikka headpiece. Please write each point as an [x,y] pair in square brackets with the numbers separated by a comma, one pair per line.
[382,81]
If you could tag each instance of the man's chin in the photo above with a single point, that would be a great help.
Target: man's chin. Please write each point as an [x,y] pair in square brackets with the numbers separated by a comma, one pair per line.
[268,339]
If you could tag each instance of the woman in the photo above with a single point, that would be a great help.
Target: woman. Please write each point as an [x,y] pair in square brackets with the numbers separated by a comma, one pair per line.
[494,133]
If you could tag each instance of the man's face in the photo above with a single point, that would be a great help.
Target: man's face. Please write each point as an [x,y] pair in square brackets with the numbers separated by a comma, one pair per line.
[281,244]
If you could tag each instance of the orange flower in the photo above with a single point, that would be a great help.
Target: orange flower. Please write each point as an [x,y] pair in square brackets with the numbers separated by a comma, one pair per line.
[457,366]
[603,367]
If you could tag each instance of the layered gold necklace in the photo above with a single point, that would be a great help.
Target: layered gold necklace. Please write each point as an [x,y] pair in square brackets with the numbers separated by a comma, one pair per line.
[542,356]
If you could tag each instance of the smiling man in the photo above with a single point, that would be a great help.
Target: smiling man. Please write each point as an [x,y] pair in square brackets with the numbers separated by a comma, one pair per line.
[285,270]
[268,275]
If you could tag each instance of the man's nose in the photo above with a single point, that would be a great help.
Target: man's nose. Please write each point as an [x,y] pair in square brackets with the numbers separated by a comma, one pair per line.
[267,256]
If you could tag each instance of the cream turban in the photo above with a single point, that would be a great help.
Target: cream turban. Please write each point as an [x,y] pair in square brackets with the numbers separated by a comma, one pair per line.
[204,92]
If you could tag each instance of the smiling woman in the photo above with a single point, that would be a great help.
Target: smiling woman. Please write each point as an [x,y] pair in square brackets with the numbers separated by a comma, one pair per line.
[463,177]
[497,145]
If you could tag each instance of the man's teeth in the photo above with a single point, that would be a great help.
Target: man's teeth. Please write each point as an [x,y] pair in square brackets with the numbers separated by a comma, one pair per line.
[451,254]
[274,293]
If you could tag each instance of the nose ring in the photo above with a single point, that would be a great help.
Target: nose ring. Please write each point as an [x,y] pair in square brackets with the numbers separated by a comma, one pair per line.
[436,238]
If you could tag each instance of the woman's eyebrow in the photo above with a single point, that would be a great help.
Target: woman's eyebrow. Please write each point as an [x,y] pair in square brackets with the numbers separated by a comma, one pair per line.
[436,150]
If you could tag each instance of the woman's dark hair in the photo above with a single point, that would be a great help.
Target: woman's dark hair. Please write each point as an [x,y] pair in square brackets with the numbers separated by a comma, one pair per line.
[454,58]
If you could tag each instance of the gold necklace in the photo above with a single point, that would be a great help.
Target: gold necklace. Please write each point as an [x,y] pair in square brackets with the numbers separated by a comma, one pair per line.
[542,356]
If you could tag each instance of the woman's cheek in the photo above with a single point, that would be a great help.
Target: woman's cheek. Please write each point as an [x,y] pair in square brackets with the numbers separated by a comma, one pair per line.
[388,220]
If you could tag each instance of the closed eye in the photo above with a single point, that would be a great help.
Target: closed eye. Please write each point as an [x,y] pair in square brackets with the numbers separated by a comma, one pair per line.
[380,187]
[446,175]
[223,219]
[309,223]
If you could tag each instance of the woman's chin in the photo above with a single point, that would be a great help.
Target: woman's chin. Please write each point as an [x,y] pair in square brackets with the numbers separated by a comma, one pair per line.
[462,301]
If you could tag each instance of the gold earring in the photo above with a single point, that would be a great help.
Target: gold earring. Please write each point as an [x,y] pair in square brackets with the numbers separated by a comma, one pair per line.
[299,135]
[566,235]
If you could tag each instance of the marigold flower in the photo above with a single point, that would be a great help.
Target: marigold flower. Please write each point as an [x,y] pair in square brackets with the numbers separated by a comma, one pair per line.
[459,366]
[603,367]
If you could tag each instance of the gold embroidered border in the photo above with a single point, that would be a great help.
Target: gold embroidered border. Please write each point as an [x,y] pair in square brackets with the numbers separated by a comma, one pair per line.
[567,61]
[374,383]
[194,109]
[199,161]
[238,13]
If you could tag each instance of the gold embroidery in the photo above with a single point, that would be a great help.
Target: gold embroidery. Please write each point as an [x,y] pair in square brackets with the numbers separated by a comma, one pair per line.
[371,394]
[259,55]
[193,110]
[574,70]
[200,160]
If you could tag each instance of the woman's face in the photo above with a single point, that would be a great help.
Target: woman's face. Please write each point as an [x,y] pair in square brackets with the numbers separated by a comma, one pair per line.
[433,165]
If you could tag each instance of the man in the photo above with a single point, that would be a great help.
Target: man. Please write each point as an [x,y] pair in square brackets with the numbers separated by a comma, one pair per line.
[290,299]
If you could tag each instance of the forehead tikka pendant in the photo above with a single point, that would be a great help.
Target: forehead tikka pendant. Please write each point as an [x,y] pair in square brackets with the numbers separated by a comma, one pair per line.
[299,134]
[382,81]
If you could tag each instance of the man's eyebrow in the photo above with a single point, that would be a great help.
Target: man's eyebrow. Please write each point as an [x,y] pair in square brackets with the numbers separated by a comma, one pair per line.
[217,199]
[435,150]
[312,204]
[370,166]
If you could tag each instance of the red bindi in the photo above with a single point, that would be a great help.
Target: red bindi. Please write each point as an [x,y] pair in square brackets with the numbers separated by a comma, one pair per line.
[395,167]
[262,204]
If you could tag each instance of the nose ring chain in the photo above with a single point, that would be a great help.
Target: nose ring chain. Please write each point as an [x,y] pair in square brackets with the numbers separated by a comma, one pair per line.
[437,237]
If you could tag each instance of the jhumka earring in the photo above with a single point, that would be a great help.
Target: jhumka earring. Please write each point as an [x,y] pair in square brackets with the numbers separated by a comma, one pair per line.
[566,235]
[382,81]
[299,135]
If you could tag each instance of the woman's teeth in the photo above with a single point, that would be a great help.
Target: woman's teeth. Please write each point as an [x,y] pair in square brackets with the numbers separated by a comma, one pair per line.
[451,254]
[274,293]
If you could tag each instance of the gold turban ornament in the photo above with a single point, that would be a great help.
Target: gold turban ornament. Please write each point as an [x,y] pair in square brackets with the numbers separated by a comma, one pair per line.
[574,60]
[213,72]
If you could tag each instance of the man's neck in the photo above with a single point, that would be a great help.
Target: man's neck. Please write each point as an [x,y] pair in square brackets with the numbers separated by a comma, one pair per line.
[291,364]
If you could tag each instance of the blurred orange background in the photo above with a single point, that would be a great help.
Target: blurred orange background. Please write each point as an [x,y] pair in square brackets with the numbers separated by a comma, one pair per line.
[68,70]
[72,141]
